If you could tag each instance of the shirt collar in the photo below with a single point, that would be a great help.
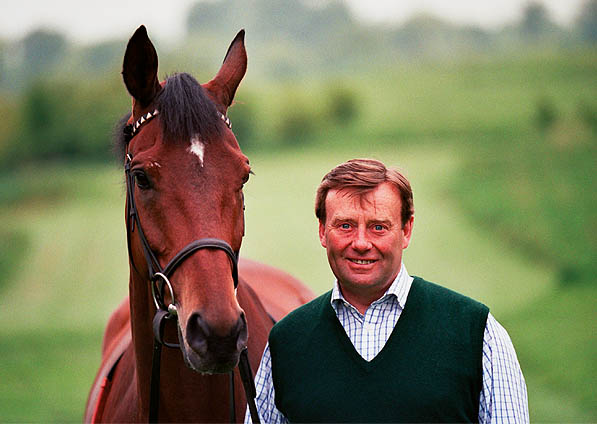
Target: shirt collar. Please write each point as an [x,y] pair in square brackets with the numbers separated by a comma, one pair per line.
[398,289]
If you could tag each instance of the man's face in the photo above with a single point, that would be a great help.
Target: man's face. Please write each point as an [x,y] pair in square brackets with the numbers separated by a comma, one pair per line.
[364,238]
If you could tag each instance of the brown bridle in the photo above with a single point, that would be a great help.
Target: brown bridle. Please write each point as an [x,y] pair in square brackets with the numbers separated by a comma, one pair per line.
[159,279]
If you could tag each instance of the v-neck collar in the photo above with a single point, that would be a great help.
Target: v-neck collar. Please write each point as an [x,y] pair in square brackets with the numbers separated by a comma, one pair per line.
[390,346]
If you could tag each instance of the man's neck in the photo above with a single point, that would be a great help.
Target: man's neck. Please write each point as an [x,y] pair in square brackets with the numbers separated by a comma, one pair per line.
[362,299]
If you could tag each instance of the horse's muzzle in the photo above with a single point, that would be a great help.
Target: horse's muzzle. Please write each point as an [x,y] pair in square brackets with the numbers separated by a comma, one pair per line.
[209,352]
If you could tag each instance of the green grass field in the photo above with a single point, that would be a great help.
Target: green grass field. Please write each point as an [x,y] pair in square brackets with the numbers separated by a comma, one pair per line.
[74,272]
[494,198]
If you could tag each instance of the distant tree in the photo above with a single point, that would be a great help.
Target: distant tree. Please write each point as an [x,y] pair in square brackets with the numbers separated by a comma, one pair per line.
[59,120]
[42,49]
[38,109]
[326,22]
[102,56]
[285,19]
[242,115]
[587,112]
[536,21]
[208,15]
[43,127]
[424,34]
[546,113]
[587,21]
[271,20]
[2,64]
[342,104]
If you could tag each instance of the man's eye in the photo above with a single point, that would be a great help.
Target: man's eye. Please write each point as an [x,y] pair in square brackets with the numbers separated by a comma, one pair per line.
[378,227]
[345,226]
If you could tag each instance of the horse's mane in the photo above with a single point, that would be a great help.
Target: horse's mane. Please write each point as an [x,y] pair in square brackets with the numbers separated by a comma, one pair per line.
[185,112]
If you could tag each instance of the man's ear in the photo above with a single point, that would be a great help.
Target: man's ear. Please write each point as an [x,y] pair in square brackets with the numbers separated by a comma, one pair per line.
[322,234]
[407,231]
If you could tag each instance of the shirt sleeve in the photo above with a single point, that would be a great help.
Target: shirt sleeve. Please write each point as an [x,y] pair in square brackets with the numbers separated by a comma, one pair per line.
[504,395]
[264,385]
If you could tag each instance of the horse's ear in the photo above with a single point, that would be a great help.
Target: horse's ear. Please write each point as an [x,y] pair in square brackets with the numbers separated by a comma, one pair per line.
[232,71]
[140,68]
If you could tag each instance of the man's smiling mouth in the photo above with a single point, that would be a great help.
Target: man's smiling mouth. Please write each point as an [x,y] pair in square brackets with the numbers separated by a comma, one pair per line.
[362,261]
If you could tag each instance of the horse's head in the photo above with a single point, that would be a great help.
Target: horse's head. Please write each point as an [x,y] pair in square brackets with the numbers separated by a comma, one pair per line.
[185,178]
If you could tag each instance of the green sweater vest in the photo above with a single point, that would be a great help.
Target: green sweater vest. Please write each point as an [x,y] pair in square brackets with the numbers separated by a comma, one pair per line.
[430,369]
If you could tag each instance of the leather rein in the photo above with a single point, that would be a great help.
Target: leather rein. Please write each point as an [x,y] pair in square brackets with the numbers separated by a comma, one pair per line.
[159,280]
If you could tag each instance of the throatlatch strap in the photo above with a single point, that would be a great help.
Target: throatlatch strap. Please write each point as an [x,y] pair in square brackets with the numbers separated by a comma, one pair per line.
[244,366]
[154,394]
[232,404]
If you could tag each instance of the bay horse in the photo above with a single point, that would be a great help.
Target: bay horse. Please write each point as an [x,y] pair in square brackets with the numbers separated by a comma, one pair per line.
[185,222]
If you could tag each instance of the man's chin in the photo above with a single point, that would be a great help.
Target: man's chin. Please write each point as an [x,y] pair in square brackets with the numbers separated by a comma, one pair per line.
[358,282]
[364,282]
[362,274]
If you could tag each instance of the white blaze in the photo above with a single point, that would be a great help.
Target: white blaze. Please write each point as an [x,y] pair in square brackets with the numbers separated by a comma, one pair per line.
[197,148]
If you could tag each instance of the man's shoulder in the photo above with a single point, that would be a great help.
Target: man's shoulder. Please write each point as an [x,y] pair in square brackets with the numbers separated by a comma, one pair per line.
[445,295]
[304,316]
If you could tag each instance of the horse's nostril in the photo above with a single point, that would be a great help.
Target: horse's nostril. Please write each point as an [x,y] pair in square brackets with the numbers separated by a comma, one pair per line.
[197,333]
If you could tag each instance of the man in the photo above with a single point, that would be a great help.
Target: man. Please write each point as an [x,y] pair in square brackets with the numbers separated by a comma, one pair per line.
[382,345]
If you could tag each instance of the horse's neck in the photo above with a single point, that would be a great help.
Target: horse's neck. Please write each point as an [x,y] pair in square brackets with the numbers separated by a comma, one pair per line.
[142,311]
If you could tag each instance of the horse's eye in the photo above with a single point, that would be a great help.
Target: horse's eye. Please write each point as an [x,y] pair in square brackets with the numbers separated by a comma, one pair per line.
[141,180]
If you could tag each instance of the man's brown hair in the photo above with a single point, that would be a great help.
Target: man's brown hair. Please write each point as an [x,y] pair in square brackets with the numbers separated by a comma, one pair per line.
[363,176]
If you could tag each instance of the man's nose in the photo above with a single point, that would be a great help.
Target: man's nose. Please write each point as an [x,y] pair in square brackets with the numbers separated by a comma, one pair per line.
[361,241]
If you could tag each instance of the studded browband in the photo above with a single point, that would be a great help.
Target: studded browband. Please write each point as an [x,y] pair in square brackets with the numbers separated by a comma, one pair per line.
[131,129]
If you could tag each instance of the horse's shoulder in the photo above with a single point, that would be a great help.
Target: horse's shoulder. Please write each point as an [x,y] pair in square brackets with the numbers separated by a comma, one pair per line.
[279,291]
[117,339]
[118,323]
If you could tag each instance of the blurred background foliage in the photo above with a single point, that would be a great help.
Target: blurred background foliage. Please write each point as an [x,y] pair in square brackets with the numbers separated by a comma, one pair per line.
[497,126]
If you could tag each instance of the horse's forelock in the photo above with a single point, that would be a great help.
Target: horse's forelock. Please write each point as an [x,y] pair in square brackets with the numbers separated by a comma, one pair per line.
[186,111]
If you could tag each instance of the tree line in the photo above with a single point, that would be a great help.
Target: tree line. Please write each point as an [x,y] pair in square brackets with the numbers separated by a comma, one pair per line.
[61,99]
